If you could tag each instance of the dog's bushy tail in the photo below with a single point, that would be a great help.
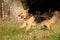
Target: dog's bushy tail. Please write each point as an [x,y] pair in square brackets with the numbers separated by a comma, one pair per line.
[55,17]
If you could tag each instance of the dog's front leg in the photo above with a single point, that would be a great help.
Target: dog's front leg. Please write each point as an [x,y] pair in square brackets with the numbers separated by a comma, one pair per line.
[28,27]
[29,23]
[24,25]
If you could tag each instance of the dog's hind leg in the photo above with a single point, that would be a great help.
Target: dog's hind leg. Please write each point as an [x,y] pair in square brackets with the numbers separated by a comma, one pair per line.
[47,23]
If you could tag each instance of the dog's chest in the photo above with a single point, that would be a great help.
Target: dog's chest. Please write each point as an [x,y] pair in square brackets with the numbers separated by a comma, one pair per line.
[30,20]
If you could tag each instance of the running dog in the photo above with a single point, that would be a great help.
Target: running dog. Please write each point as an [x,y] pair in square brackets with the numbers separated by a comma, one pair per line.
[30,20]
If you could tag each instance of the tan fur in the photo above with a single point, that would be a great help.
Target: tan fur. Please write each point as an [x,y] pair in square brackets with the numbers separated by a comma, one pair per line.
[47,23]
[29,21]
[55,17]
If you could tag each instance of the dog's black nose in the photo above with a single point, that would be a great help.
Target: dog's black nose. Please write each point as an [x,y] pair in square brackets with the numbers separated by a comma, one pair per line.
[18,15]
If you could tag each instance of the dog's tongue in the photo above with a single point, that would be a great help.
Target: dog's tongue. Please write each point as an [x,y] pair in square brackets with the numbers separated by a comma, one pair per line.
[22,16]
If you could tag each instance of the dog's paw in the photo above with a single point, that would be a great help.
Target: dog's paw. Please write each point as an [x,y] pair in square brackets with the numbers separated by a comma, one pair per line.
[22,26]
[28,28]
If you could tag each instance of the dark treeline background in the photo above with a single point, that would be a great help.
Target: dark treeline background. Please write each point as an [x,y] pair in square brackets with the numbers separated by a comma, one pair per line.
[43,5]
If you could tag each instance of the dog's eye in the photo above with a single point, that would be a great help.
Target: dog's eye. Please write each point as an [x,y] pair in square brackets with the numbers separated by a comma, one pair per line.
[18,15]
[21,13]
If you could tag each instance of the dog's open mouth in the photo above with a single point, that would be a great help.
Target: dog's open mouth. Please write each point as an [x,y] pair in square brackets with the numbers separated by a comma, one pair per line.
[22,17]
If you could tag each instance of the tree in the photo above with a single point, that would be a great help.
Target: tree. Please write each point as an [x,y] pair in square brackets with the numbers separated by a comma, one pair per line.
[2,4]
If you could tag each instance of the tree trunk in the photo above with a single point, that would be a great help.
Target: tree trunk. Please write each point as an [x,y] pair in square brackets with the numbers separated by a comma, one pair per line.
[2,10]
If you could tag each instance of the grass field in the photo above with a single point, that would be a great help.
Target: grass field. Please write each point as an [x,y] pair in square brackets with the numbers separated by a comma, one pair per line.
[12,31]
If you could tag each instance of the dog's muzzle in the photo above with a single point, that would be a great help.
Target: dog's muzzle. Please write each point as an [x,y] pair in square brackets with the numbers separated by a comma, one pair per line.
[21,16]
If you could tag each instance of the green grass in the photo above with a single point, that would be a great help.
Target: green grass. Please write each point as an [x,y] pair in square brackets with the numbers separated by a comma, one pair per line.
[12,31]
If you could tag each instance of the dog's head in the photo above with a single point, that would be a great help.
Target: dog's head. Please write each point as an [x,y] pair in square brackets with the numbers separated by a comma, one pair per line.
[23,14]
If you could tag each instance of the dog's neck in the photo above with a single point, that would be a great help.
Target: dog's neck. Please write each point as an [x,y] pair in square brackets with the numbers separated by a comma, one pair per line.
[27,17]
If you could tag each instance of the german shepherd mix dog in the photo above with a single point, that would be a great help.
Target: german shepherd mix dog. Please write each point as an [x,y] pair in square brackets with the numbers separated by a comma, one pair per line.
[30,20]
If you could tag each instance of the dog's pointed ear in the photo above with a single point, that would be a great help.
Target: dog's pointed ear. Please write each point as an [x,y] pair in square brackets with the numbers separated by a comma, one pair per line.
[27,10]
